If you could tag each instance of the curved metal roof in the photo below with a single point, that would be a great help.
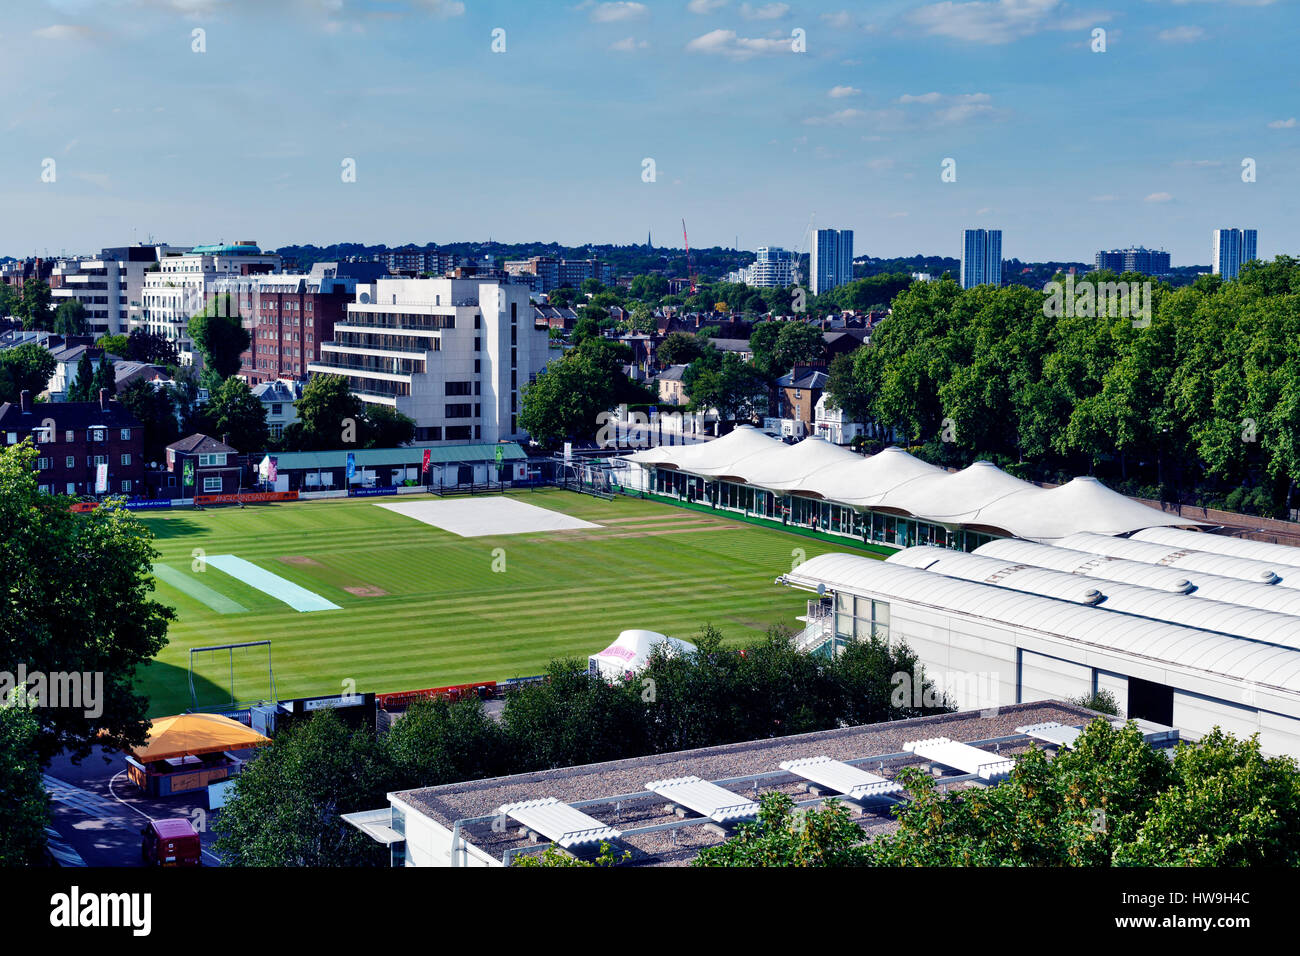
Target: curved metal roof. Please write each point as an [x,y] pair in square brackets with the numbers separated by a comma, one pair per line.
[1212,587]
[1171,556]
[1172,646]
[1222,544]
[1270,627]
[1082,562]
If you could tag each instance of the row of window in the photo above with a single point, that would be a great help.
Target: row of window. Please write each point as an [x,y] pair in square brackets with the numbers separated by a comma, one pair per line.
[70,488]
[45,464]
[69,435]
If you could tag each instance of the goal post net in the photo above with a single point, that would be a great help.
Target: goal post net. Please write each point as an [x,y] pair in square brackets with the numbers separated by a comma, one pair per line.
[231,676]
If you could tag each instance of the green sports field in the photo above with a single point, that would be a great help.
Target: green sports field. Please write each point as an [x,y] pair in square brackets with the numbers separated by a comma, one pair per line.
[422,607]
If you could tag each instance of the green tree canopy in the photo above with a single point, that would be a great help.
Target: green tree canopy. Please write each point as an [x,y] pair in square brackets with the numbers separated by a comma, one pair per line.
[219,334]
[234,414]
[79,602]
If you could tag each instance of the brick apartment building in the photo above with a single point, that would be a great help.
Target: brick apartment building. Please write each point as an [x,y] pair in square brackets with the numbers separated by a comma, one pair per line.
[289,316]
[74,438]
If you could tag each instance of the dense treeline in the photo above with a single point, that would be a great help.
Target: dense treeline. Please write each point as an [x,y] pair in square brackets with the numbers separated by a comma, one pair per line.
[1200,403]
[285,808]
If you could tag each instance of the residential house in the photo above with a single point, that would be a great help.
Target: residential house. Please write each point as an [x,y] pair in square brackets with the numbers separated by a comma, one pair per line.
[278,398]
[75,439]
[216,467]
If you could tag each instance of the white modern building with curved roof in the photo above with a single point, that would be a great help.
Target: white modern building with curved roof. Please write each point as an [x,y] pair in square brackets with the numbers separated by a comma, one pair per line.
[890,498]
[1058,640]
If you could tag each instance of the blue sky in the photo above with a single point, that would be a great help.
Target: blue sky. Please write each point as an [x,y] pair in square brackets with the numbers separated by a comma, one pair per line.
[1067,150]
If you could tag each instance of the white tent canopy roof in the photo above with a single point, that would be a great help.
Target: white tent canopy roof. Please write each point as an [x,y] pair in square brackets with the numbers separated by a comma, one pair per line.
[980,496]
[785,466]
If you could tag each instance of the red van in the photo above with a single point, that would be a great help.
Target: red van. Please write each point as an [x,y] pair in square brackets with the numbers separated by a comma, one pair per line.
[172,842]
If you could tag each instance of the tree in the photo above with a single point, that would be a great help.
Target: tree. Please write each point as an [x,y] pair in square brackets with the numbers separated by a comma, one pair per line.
[439,742]
[70,318]
[24,805]
[679,348]
[219,334]
[573,718]
[155,409]
[568,395]
[235,415]
[105,378]
[25,368]
[787,836]
[9,299]
[1231,806]
[34,304]
[82,385]
[285,806]
[142,346]
[329,416]
[387,427]
[78,587]
[733,387]
[799,344]
[118,345]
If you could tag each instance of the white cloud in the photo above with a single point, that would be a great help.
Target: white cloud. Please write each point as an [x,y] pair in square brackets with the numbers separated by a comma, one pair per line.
[950,109]
[703,7]
[727,43]
[617,12]
[63,31]
[444,8]
[1158,197]
[768,11]
[628,45]
[838,92]
[1000,21]
[839,20]
[1181,34]
[1283,124]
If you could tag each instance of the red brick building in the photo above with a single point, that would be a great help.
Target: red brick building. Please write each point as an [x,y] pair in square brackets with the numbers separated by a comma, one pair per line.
[289,316]
[74,439]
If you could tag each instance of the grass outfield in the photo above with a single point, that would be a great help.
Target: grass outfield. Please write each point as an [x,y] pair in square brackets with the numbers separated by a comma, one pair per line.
[447,616]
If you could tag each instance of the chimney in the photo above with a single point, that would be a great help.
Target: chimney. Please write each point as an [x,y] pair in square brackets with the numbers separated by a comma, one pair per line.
[103,399]
[25,400]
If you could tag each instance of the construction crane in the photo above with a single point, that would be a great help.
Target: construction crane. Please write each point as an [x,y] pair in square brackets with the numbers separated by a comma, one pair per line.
[690,268]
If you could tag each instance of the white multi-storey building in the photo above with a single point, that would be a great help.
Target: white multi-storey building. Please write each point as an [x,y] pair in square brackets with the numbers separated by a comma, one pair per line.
[181,285]
[1233,248]
[981,257]
[108,285]
[831,259]
[772,269]
[454,355]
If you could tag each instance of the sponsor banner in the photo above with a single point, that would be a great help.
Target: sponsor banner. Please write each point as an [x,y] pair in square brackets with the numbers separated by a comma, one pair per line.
[371,492]
[248,497]
[424,465]
[149,504]
[101,477]
[453,692]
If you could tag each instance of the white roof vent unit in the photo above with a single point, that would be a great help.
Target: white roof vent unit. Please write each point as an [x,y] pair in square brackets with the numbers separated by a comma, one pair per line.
[962,757]
[559,822]
[843,778]
[707,799]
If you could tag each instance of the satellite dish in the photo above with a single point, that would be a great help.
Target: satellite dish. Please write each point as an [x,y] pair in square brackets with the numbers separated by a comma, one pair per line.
[821,590]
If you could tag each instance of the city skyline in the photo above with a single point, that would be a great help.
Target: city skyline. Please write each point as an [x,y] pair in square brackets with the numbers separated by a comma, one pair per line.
[747,138]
